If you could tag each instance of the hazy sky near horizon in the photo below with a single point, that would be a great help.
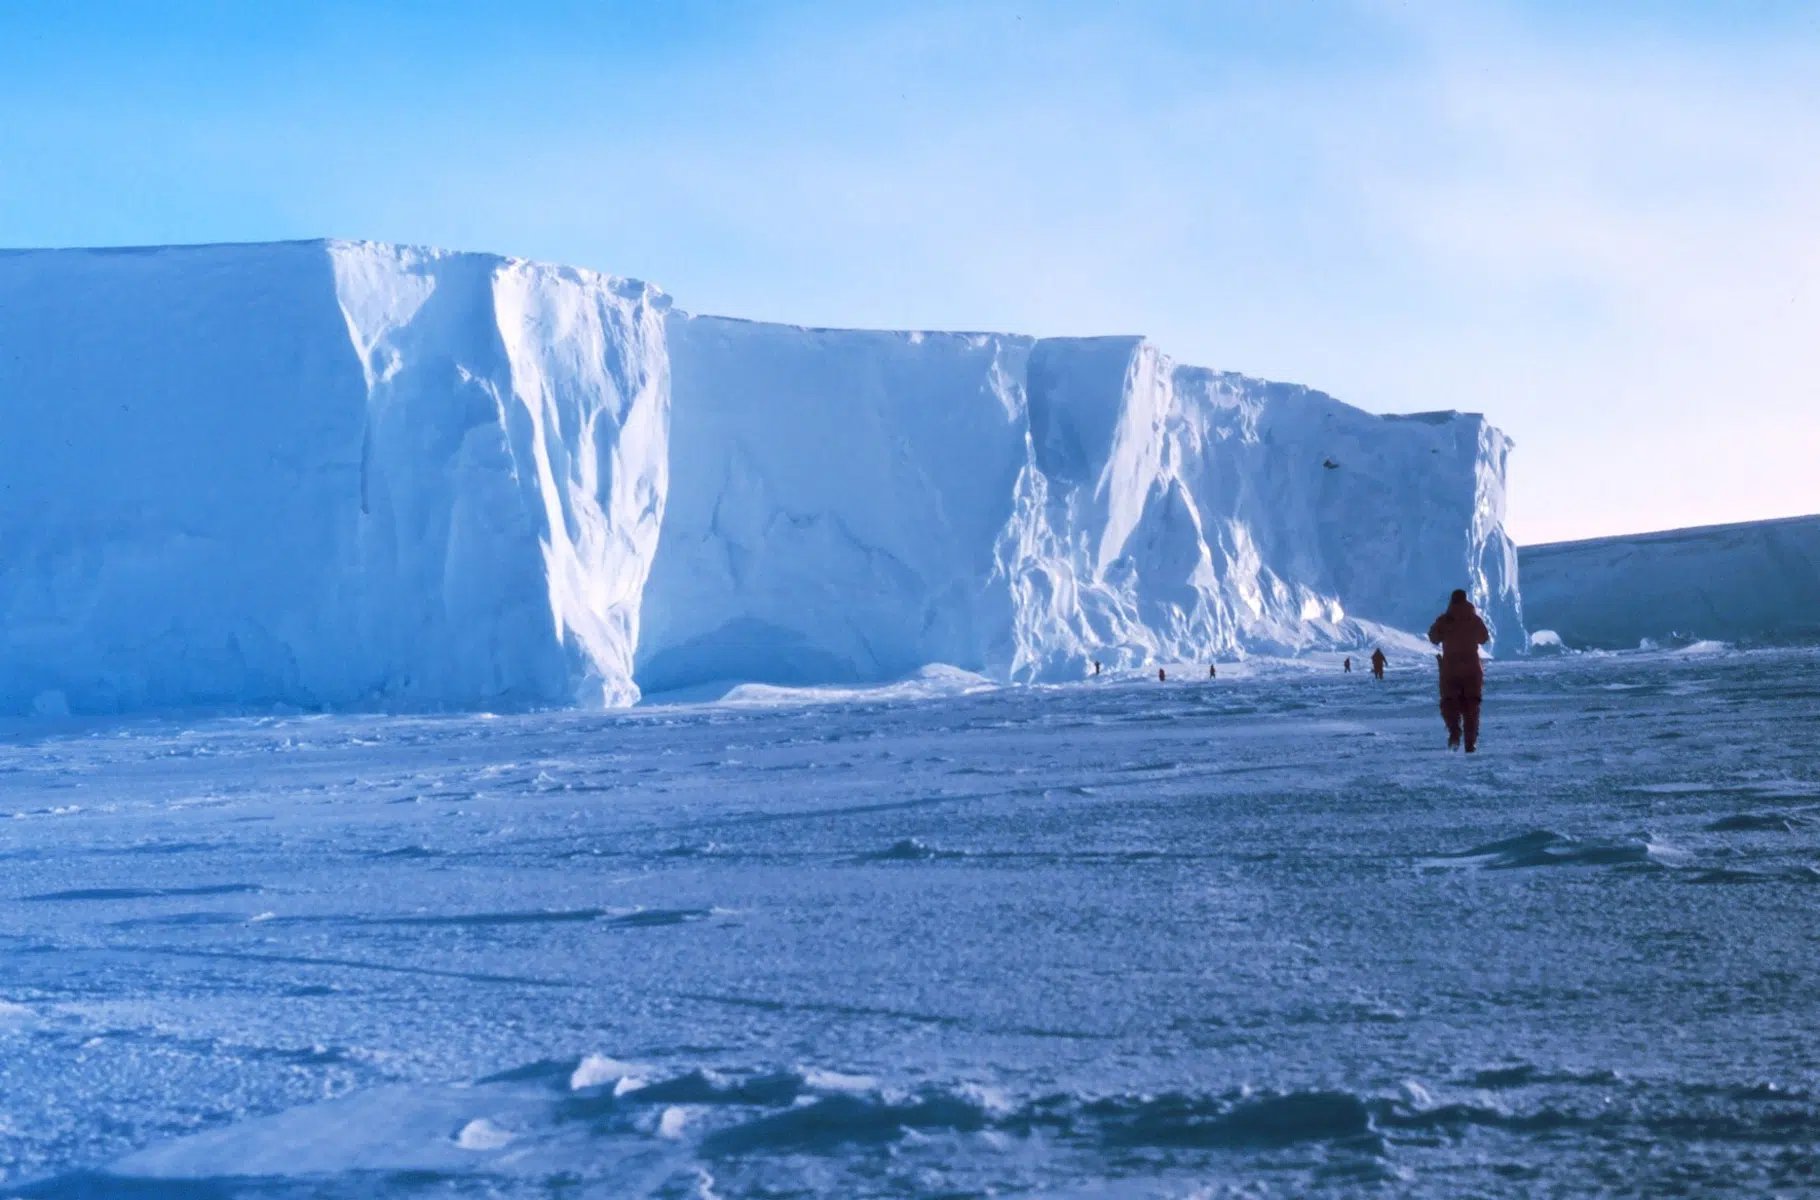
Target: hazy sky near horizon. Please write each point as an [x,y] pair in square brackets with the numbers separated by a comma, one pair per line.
[1598,224]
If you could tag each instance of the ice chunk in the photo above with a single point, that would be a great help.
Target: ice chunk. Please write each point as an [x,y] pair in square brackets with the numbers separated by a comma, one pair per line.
[482,1134]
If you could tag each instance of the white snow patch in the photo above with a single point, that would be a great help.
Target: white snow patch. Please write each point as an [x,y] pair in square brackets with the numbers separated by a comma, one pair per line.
[817,1079]
[597,1070]
[672,1124]
[482,1134]
[927,683]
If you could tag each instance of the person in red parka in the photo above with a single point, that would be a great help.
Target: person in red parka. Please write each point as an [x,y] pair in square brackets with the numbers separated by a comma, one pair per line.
[1459,632]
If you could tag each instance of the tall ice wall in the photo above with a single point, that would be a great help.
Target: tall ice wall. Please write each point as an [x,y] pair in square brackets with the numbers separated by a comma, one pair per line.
[335,474]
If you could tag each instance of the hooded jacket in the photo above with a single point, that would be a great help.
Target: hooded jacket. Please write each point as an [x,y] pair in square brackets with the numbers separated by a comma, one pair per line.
[1459,632]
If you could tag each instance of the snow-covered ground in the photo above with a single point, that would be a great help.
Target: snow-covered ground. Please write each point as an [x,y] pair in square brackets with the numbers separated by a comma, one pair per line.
[1259,934]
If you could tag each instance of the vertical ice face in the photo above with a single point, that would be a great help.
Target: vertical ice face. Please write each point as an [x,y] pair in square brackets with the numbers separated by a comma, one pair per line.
[1319,513]
[348,474]
[179,474]
[440,567]
[513,472]
[835,499]
[322,474]
[588,424]
[848,505]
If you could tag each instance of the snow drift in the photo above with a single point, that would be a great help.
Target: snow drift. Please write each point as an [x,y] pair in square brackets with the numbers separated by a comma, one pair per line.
[345,474]
[1755,583]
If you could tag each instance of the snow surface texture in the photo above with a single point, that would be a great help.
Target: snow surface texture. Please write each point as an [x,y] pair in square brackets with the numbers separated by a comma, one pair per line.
[1751,583]
[346,474]
[1259,936]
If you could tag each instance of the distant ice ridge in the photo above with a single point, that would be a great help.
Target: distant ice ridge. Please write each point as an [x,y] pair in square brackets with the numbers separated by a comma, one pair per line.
[350,474]
[1752,583]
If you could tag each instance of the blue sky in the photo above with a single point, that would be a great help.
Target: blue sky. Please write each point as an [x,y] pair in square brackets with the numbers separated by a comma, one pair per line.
[1601,227]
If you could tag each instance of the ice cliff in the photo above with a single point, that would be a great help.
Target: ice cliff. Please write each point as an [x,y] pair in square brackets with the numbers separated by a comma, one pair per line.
[324,474]
[1757,582]
[349,474]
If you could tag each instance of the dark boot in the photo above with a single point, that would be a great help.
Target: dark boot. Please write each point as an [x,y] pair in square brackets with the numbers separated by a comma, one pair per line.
[1450,716]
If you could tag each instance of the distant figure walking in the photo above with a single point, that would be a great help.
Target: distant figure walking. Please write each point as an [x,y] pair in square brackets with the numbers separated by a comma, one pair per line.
[1213,671]
[1459,632]
[1096,666]
[1160,677]
[1348,665]
[1377,662]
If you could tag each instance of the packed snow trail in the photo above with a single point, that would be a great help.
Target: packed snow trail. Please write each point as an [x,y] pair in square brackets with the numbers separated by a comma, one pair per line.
[1120,938]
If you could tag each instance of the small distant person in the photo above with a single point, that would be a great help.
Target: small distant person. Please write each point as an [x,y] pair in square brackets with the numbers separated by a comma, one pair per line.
[1377,662]
[1348,665]
[1160,676]
[1459,632]
[1213,671]
[1096,666]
